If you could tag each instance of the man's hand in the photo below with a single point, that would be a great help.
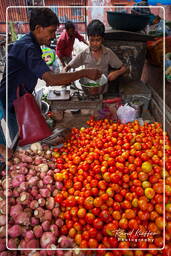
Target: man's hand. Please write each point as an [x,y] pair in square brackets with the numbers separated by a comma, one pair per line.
[66,68]
[92,73]
[113,75]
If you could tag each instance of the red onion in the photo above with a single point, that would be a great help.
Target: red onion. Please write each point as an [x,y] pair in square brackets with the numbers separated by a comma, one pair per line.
[39,212]
[34,204]
[15,231]
[23,219]
[45,192]
[38,231]
[50,202]
[47,238]
[54,229]
[46,225]
[29,235]
[2,231]
[2,244]
[2,220]
[59,222]
[55,212]
[41,202]
[34,221]
[47,215]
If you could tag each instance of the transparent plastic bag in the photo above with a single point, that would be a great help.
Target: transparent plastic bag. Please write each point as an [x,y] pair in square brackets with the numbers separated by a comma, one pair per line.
[126,114]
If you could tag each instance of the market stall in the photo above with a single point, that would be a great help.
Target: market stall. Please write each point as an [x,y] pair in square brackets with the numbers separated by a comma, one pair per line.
[106,190]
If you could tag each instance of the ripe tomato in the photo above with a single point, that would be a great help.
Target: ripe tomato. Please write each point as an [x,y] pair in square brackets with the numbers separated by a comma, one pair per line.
[81,213]
[98,223]
[92,243]
[146,167]
[104,215]
[98,202]
[89,203]
[90,218]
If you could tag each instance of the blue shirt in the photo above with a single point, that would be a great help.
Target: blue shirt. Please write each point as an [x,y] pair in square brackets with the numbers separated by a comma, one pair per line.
[1,111]
[25,66]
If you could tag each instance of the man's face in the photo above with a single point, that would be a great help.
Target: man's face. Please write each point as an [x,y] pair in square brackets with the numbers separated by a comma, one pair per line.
[46,34]
[95,42]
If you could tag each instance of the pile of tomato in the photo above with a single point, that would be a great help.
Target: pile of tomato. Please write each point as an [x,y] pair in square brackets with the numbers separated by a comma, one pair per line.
[113,178]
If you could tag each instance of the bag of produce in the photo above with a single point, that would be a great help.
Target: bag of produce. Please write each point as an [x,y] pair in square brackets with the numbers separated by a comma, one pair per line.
[126,114]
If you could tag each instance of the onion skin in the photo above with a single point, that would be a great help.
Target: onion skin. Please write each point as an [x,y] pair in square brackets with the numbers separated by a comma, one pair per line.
[45,192]
[39,212]
[26,159]
[2,244]
[59,222]
[47,238]
[34,204]
[47,215]
[54,229]
[55,212]
[2,231]
[15,231]
[33,181]
[2,220]
[34,221]
[17,180]
[23,219]
[50,202]
[46,225]
[38,231]
[41,202]
[65,242]
[13,243]
[29,235]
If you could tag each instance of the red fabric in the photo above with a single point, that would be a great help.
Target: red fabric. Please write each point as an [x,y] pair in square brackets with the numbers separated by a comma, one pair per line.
[32,125]
[65,44]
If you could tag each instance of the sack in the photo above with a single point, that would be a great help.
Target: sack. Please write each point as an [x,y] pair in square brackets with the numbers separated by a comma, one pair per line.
[126,114]
[32,125]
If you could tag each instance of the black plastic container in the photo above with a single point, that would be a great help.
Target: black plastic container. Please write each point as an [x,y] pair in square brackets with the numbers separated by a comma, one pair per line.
[127,21]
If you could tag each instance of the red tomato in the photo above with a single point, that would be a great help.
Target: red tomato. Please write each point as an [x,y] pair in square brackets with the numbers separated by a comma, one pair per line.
[89,202]
[98,223]
[90,218]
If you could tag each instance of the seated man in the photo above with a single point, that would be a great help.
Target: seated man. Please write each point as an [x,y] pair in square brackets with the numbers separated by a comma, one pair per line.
[96,55]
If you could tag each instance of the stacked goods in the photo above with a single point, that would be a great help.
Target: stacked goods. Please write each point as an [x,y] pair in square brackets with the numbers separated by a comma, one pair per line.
[112,176]
[102,189]
[33,215]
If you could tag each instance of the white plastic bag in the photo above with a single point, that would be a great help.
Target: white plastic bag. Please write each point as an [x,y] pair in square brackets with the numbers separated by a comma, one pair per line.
[126,114]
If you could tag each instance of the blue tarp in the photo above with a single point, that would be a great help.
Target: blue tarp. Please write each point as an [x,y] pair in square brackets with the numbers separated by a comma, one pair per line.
[154,2]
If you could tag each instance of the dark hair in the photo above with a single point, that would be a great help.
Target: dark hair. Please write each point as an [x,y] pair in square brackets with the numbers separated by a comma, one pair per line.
[69,24]
[44,17]
[95,28]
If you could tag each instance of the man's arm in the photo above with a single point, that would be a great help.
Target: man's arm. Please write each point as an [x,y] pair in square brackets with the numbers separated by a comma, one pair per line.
[76,62]
[85,42]
[53,79]
[114,74]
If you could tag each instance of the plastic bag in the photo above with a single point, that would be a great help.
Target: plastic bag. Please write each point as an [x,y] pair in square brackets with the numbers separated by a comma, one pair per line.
[126,114]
